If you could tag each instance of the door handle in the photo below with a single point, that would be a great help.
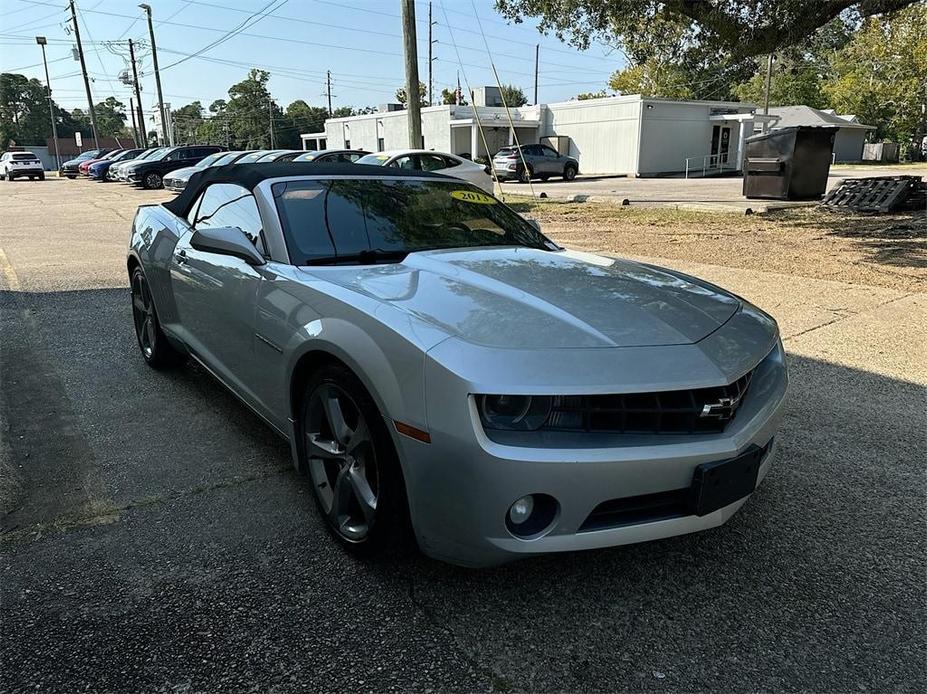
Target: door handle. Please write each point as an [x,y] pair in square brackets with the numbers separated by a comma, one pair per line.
[180,257]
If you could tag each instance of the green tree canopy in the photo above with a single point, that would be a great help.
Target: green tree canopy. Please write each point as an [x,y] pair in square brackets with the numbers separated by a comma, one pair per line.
[449,97]
[513,96]
[746,28]
[880,75]
[422,95]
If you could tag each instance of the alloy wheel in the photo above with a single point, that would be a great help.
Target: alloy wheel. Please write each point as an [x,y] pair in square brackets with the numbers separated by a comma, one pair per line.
[342,461]
[152,180]
[144,315]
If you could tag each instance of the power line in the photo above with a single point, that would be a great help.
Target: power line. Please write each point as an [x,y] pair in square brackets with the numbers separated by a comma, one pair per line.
[256,17]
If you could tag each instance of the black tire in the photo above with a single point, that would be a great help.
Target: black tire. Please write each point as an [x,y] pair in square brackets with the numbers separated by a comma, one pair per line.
[525,174]
[156,349]
[384,527]
[71,176]
[41,176]
[569,172]
[10,177]
[152,180]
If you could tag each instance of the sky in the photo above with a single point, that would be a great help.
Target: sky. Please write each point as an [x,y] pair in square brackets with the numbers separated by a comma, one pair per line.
[297,41]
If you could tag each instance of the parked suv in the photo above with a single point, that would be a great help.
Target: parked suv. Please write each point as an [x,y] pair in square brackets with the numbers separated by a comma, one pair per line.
[150,172]
[542,162]
[21,164]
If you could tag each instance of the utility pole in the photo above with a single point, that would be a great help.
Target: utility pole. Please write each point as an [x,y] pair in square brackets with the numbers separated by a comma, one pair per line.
[83,68]
[138,96]
[270,110]
[328,90]
[431,42]
[537,55]
[769,62]
[411,52]
[138,142]
[154,58]
[41,40]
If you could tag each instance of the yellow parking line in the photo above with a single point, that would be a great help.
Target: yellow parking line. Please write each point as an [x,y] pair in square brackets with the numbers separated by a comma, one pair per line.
[6,269]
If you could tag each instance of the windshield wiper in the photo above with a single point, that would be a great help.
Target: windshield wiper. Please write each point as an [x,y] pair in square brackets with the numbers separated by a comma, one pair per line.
[367,257]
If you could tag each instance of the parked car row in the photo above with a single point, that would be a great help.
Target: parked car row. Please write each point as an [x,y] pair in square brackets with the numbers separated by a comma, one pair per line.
[172,167]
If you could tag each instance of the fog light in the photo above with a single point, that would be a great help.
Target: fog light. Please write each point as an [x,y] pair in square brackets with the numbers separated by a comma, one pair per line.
[521,510]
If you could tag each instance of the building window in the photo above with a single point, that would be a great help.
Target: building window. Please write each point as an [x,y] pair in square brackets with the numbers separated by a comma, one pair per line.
[381,144]
[347,144]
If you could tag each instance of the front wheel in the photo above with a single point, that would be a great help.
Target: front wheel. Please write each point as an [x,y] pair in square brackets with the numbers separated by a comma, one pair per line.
[156,350]
[352,465]
[152,180]
[569,172]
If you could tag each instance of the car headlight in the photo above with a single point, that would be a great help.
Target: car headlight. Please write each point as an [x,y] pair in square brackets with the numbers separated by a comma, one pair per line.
[514,412]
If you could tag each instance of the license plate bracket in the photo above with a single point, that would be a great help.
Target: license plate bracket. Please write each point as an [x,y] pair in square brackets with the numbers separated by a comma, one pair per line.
[718,484]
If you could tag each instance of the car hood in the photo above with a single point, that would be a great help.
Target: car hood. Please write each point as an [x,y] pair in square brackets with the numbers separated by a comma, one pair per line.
[525,298]
[184,173]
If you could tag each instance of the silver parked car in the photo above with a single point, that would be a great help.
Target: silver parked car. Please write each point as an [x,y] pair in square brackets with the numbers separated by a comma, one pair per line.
[436,362]
[533,161]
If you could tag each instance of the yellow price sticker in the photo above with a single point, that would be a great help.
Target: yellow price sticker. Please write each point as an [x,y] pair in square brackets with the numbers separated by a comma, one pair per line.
[474,197]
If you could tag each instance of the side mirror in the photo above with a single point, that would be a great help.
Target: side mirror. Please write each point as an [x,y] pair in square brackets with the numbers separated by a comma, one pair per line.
[227,241]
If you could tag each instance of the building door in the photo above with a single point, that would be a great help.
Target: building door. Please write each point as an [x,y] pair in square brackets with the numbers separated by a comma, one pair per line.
[721,142]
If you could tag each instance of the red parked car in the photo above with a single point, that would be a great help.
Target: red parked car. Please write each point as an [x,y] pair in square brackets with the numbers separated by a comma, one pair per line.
[84,167]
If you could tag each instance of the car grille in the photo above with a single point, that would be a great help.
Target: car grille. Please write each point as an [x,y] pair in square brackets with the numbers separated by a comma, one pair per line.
[698,411]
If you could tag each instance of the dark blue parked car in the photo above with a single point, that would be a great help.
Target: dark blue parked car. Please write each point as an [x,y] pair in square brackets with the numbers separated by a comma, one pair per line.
[97,171]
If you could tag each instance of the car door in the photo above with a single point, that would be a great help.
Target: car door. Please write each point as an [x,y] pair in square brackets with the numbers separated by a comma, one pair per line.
[216,294]
[552,162]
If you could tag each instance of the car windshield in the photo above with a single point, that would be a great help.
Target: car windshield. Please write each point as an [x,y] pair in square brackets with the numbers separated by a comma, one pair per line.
[210,160]
[374,159]
[253,157]
[339,220]
[157,154]
[129,154]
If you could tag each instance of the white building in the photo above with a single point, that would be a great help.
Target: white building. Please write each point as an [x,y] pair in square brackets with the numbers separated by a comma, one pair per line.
[621,135]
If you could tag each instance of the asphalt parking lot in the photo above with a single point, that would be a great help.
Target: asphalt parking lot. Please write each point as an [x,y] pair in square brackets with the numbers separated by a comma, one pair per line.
[155,538]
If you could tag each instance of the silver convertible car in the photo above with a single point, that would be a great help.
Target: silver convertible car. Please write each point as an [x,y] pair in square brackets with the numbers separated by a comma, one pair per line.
[441,368]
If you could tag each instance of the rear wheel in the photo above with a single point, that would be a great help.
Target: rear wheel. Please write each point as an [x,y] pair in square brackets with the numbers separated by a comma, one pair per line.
[156,349]
[42,176]
[524,174]
[152,180]
[353,468]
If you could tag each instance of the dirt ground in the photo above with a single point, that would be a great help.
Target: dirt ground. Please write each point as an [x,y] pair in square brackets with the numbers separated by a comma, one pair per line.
[877,250]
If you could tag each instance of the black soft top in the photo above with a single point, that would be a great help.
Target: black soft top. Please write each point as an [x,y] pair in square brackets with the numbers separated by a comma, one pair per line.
[250,175]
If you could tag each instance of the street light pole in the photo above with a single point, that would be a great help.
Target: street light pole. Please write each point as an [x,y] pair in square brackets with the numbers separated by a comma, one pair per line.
[157,72]
[51,106]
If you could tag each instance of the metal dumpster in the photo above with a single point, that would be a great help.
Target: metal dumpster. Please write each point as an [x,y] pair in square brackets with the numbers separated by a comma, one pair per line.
[788,164]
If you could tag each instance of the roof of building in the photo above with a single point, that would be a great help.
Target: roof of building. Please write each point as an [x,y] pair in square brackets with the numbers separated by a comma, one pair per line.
[790,116]
[249,176]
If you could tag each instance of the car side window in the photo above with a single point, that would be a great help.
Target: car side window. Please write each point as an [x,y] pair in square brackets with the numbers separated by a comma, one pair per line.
[353,157]
[406,161]
[229,205]
[432,162]
[549,151]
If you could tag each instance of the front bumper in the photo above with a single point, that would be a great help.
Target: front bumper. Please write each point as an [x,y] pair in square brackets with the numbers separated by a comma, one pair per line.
[462,484]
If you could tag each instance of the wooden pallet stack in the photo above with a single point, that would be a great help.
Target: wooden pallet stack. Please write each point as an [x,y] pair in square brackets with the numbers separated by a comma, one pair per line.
[879,194]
